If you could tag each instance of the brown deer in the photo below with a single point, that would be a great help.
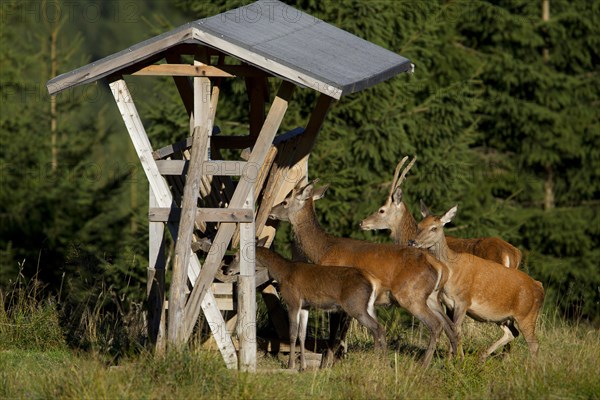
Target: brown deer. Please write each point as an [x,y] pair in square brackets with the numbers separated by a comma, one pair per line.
[395,216]
[414,278]
[330,288]
[483,289]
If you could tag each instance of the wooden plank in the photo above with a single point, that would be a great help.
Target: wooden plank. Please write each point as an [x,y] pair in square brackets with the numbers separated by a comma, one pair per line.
[177,294]
[225,304]
[222,71]
[210,168]
[225,215]
[247,293]
[159,214]
[182,70]
[164,198]
[177,298]
[226,230]
[156,284]
[222,289]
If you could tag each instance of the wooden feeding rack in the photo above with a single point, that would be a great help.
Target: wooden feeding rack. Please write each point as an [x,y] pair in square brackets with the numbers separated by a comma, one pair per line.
[192,189]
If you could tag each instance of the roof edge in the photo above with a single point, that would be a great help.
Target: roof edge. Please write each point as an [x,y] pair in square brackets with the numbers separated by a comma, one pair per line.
[108,65]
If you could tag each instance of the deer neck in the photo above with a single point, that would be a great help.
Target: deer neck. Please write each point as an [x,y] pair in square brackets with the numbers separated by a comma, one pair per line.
[442,252]
[405,228]
[278,266]
[311,237]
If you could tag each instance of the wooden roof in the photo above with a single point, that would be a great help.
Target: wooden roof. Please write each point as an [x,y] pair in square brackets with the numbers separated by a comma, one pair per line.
[269,35]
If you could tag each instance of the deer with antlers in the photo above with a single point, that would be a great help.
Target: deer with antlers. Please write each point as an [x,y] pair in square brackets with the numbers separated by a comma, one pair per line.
[413,277]
[483,289]
[395,216]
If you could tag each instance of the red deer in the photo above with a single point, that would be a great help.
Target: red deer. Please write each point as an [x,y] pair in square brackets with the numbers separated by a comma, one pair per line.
[413,277]
[329,288]
[483,289]
[395,216]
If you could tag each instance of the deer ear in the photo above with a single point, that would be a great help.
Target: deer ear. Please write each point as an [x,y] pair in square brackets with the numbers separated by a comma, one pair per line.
[449,215]
[262,241]
[320,192]
[397,196]
[424,210]
[306,192]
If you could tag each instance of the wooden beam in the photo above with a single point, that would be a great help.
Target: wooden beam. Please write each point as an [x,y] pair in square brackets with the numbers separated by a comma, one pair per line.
[209,71]
[164,198]
[156,284]
[246,327]
[158,214]
[209,168]
[177,297]
[225,232]
[225,215]
[183,70]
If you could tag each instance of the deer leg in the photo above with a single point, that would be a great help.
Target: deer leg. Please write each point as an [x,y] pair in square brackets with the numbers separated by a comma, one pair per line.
[376,329]
[364,312]
[514,331]
[294,318]
[427,317]
[527,327]
[434,303]
[460,312]
[507,337]
[341,349]
[338,321]
[302,334]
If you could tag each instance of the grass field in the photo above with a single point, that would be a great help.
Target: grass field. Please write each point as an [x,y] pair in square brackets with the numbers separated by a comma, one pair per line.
[568,368]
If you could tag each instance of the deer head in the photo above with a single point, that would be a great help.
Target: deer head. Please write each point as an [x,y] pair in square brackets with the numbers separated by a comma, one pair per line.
[390,215]
[296,200]
[430,231]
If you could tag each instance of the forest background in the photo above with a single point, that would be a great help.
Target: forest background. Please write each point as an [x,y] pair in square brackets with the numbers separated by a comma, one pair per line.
[502,112]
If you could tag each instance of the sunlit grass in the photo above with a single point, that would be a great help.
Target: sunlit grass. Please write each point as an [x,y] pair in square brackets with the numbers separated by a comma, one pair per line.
[35,362]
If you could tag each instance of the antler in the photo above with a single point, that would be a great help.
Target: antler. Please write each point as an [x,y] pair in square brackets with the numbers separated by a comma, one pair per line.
[396,172]
[398,180]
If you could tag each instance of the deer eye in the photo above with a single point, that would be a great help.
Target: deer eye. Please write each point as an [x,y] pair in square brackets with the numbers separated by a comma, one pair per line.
[381,211]
[285,203]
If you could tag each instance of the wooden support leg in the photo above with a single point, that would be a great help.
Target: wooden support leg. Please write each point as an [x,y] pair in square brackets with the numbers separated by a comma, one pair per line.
[156,283]
[246,327]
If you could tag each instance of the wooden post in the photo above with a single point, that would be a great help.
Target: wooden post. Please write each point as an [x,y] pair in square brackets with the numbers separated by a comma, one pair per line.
[156,283]
[246,327]
[177,294]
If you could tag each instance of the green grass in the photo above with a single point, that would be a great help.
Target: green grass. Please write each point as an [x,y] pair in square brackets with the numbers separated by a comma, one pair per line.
[567,368]
[36,362]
